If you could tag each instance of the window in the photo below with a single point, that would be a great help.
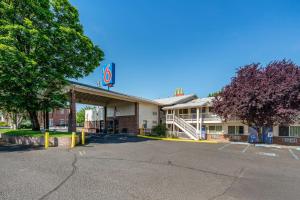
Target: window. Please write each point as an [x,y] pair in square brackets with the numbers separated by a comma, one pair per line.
[215,129]
[203,109]
[169,111]
[210,109]
[289,131]
[236,130]
[62,111]
[154,113]
[144,123]
[241,130]
[154,123]
[183,111]
[193,110]
[295,131]
[61,122]
[50,122]
[231,130]
[283,131]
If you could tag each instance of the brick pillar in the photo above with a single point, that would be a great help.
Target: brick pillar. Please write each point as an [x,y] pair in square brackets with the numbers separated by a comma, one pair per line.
[72,114]
[136,105]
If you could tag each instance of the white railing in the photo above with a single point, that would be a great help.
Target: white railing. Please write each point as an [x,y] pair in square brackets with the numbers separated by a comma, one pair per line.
[193,117]
[186,127]
[189,117]
[211,117]
[169,117]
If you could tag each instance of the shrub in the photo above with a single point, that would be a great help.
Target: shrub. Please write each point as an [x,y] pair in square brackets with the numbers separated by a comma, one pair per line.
[159,130]
[25,125]
[3,124]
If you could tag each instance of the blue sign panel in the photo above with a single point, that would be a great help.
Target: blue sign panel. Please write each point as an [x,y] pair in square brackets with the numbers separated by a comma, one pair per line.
[108,75]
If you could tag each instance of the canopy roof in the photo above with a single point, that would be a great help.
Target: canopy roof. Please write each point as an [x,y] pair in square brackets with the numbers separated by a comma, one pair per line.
[98,96]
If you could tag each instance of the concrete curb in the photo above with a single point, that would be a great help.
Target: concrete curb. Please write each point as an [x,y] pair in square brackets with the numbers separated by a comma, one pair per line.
[178,140]
[64,142]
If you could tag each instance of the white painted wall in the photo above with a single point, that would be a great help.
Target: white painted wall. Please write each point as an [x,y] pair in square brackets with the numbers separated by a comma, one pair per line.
[225,126]
[91,115]
[146,112]
[124,109]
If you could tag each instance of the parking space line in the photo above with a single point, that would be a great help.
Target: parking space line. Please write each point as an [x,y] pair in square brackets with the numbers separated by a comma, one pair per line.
[267,154]
[293,154]
[222,147]
[246,148]
[81,153]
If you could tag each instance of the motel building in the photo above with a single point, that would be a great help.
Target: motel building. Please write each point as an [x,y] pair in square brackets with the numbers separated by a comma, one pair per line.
[191,117]
[185,116]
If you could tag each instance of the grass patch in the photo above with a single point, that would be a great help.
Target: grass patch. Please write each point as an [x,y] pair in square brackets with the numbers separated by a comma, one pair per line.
[30,133]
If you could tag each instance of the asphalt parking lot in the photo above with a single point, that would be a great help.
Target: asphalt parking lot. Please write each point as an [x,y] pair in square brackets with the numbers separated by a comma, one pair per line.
[121,167]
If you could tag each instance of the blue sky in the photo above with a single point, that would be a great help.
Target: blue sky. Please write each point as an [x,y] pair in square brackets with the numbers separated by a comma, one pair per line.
[159,45]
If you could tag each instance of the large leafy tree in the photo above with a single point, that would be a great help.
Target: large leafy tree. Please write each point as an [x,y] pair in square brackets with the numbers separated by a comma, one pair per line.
[42,45]
[262,96]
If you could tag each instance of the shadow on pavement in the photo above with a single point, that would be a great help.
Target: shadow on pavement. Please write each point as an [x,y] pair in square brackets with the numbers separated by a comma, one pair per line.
[116,138]
[15,148]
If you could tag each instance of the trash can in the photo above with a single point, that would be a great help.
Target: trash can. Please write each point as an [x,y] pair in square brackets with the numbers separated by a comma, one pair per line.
[269,138]
[264,137]
[253,138]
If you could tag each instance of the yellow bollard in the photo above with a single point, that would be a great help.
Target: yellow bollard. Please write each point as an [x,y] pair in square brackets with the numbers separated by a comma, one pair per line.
[82,137]
[46,140]
[73,139]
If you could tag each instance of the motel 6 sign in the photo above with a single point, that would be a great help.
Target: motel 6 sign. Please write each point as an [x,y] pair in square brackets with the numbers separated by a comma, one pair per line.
[108,75]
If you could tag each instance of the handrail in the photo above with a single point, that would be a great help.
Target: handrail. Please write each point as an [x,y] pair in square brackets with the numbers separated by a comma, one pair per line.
[188,127]
[193,117]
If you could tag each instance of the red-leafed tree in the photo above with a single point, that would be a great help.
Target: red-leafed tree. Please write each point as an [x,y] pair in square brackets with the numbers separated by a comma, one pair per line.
[262,96]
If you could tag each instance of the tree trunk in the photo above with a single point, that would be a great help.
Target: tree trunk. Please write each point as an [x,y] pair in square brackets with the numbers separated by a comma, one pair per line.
[259,134]
[14,119]
[34,120]
[47,120]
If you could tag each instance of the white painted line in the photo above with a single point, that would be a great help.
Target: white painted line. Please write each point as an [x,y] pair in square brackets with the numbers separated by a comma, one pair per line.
[246,148]
[222,147]
[267,145]
[244,143]
[267,154]
[293,154]
[81,153]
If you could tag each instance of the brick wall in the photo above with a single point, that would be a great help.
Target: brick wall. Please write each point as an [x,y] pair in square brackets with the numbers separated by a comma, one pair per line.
[227,137]
[126,122]
[286,140]
[55,117]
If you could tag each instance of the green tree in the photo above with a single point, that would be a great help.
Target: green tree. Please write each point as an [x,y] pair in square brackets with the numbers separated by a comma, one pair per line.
[42,45]
[214,94]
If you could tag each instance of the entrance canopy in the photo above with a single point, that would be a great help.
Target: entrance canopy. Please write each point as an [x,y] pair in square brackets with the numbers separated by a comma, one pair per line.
[86,94]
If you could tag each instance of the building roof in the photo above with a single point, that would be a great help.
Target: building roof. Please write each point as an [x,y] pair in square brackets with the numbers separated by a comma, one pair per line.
[176,100]
[192,104]
[112,94]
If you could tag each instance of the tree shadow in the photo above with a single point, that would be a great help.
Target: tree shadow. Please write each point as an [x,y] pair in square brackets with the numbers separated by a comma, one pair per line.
[18,148]
[114,139]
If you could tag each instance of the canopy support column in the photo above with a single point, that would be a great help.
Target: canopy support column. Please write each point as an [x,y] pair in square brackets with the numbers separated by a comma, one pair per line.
[72,114]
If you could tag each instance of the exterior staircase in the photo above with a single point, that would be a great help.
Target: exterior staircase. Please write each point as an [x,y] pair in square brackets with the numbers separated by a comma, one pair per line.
[187,128]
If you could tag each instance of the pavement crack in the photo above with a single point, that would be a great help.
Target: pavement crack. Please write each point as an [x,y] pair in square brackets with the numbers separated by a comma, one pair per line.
[168,163]
[236,178]
[74,169]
